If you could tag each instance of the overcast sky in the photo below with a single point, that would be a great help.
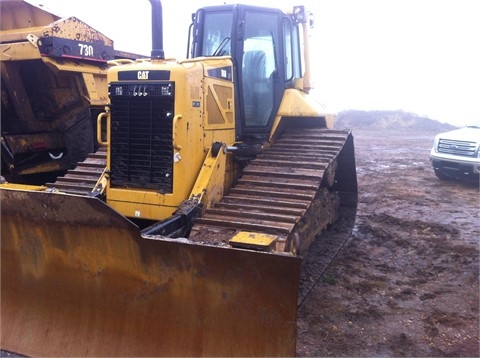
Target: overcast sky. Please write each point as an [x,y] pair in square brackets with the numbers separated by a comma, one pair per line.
[419,56]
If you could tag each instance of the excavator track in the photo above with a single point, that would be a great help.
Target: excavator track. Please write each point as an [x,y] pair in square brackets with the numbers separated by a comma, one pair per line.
[83,178]
[292,190]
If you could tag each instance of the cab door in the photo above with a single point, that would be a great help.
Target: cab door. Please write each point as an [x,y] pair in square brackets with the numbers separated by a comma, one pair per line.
[254,38]
[260,68]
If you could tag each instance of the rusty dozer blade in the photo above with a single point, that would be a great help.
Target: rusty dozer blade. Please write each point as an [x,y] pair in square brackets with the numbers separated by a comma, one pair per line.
[78,279]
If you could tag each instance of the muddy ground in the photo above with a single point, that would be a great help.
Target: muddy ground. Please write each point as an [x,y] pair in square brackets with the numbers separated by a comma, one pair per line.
[406,283]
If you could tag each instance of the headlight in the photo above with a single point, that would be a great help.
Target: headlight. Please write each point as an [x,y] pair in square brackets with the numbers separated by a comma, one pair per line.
[435,144]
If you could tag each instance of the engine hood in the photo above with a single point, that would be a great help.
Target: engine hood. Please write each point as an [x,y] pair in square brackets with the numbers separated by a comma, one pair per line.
[470,134]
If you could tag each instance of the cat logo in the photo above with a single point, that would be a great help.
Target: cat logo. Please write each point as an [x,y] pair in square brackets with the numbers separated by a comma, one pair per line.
[143,75]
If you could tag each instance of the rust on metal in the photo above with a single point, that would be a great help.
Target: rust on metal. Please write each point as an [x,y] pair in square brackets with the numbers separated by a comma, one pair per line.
[78,279]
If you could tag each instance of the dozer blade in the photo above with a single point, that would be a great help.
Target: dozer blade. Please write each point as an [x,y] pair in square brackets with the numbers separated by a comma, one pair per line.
[78,279]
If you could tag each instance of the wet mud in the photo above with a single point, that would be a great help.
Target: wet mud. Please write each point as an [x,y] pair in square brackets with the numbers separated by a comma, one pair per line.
[406,283]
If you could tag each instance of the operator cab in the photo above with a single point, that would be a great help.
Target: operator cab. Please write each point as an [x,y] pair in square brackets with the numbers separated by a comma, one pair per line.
[264,45]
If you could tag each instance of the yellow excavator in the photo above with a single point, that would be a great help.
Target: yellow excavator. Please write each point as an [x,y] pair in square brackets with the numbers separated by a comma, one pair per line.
[188,234]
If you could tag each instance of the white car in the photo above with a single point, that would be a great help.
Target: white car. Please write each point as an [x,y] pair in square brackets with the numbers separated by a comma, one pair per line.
[456,154]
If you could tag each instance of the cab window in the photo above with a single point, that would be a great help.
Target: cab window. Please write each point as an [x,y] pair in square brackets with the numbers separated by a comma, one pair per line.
[259,64]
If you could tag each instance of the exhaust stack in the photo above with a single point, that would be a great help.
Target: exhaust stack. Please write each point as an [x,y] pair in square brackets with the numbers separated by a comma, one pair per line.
[157,30]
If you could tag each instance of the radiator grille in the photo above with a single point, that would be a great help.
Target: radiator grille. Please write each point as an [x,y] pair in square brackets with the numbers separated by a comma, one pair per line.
[141,136]
[457,147]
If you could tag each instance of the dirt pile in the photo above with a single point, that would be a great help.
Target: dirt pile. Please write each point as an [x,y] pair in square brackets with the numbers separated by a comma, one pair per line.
[388,120]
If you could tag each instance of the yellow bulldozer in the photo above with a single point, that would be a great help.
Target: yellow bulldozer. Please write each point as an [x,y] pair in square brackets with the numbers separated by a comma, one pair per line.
[220,173]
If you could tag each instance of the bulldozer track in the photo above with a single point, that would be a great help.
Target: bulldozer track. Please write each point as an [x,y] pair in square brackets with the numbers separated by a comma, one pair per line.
[280,191]
[82,179]
[277,188]
[273,196]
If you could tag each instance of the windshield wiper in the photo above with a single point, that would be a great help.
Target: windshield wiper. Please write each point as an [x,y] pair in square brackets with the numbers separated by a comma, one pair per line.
[220,49]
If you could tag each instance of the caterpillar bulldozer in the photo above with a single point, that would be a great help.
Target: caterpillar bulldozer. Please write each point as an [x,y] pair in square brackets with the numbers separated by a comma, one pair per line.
[53,83]
[188,233]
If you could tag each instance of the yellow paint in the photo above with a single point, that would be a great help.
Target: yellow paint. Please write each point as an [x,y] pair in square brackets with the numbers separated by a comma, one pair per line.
[296,104]
[203,114]
[253,239]
[209,185]
[13,186]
